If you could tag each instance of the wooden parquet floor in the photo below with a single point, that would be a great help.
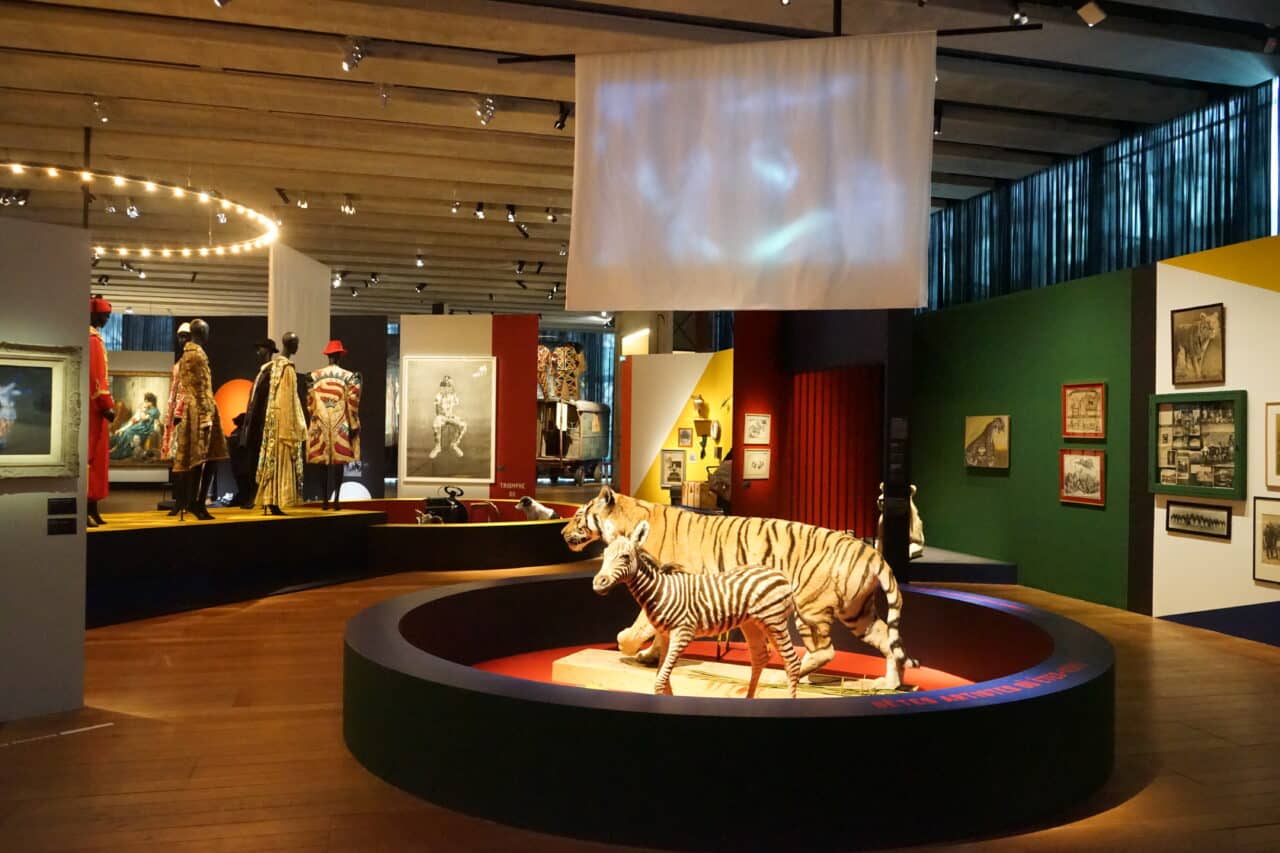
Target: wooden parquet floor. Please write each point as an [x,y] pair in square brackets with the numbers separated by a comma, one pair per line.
[225,735]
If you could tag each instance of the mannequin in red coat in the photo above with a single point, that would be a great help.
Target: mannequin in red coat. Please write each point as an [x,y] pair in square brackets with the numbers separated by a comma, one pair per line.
[102,409]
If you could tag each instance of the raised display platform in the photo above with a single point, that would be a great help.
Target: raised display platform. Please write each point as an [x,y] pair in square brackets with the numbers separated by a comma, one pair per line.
[144,564]
[1033,734]
[938,565]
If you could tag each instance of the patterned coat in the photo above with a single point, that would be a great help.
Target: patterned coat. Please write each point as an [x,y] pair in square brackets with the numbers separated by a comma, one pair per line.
[100,404]
[544,368]
[568,365]
[334,403]
[283,429]
[198,438]
[173,415]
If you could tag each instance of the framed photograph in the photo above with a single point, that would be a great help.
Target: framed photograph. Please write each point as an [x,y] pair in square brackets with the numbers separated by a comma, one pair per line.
[758,429]
[1209,520]
[684,437]
[1266,540]
[986,441]
[447,417]
[1271,427]
[755,463]
[39,411]
[1084,410]
[1198,337]
[1198,448]
[142,404]
[672,467]
[1082,476]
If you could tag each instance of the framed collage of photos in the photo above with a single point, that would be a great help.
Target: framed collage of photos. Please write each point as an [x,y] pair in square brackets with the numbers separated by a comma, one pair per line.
[1198,449]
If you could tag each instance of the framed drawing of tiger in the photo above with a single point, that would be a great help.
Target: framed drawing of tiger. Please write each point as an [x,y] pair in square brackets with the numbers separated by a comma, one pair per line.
[835,576]
[1198,337]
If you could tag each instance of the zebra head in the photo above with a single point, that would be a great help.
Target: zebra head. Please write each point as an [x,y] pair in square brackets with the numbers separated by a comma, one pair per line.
[620,560]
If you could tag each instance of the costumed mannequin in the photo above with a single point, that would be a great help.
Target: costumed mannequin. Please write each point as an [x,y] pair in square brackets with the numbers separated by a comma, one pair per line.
[447,405]
[568,364]
[103,410]
[198,438]
[174,414]
[544,366]
[333,400]
[284,428]
[251,428]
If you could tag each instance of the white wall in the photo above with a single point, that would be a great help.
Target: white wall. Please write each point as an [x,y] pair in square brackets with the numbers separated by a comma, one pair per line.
[141,362]
[44,270]
[298,301]
[441,334]
[1192,573]
[661,386]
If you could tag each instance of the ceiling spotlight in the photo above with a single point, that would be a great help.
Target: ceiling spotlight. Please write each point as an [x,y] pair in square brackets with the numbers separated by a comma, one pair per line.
[384,94]
[99,109]
[551,217]
[1093,14]
[302,202]
[551,295]
[479,210]
[104,279]
[194,274]
[564,249]
[490,297]
[486,109]
[522,285]
[222,218]
[18,198]
[353,54]
[523,229]
[1017,17]
[937,121]
[126,266]
[786,2]
[337,280]
[142,274]
[420,286]
[110,206]
[355,292]
[519,267]
[419,262]
[453,208]
[538,269]
[348,206]
[511,213]
[284,196]
[221,3]
[118,181]
[604,313]
[555,288]
[562,116]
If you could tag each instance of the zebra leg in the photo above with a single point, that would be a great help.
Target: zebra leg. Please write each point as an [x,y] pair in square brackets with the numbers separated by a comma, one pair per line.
[815,631]
[782,642]
[677,640]
[758,646]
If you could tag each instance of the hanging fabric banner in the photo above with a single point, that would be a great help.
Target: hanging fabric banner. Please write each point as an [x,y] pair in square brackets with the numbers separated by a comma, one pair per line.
[780,175]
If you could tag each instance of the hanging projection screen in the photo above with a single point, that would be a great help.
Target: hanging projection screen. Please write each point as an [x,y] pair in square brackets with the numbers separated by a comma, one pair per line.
[781,175]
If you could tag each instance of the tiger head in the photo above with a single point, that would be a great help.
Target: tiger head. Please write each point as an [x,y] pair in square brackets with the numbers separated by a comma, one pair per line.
[605,516]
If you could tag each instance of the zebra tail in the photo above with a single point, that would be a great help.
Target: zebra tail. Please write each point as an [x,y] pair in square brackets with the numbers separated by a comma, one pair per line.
[893,618]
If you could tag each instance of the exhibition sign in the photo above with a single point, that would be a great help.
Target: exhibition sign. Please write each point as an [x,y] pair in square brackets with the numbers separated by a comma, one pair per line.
[780,175]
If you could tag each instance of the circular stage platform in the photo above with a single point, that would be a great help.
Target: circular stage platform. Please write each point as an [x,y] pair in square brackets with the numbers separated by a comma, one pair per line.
[1032,733]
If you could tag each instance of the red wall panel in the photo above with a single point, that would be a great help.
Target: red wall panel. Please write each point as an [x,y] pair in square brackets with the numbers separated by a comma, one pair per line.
[515,343]
[622,465]
[759,387]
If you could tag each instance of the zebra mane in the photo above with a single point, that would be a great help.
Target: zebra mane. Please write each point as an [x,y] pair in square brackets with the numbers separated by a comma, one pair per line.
[672,569]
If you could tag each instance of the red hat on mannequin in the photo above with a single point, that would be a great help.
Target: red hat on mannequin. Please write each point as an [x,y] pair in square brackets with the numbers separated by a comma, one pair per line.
[335,348]
[98,305]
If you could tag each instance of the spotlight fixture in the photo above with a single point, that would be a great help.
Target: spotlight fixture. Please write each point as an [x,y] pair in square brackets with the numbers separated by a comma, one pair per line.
[486,109]
[564,249]
[519,267]
[99,109]
[16,198]
[355,292]
[353,54]
[126,266]
[384,94]
[1093,14]
[562,116]
[538,269]
[555,288]
[937,121]
[142,274]
[453,208]
[337,280]
[523,229]
[222,218]
[551,296]
[604,313]
[104,279]
[420,286]
[490,297]
[221,3]
[523,286]
[551,217]
[419,262]
[348,205]
[479,210]
[110,206]
[302,202]
[786,2]
[193,277]
[284,196]
[511,213]
[94,261]
[1017,17]
[373,279]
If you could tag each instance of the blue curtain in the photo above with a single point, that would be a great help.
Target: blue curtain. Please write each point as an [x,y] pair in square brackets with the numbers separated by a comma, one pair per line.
[138,332]
[1193,183]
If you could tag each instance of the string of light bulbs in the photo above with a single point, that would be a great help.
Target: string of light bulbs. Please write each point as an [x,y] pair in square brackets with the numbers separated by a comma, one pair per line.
[226,206]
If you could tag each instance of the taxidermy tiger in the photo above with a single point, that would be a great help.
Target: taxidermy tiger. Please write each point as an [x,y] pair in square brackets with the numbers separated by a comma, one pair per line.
[834,575]
[981,452]
[1191,344]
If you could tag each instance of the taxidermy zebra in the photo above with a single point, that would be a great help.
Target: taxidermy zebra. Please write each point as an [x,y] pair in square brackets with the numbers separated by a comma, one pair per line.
[681,606]
[535,511]
[981,452]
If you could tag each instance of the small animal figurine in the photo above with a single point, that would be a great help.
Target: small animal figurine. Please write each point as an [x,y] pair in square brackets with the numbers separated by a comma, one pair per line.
[681,606]
[535,511]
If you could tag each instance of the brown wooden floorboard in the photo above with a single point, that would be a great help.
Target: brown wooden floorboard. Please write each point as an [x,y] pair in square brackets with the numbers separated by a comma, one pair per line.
[226,735]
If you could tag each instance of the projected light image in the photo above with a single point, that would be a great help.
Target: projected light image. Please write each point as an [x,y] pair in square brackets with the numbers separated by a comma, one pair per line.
[769,173]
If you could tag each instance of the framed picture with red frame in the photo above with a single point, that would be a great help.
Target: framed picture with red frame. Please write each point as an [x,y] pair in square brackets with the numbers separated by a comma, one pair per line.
[1084,410]
[1082,476]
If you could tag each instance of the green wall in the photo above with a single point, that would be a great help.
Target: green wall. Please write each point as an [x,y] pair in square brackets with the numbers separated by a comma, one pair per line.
[1011,356]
